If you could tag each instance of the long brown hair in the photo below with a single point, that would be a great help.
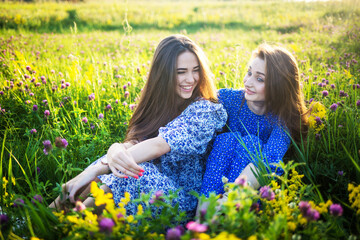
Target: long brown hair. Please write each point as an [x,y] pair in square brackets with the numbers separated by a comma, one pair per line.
[283,96]
[159,102]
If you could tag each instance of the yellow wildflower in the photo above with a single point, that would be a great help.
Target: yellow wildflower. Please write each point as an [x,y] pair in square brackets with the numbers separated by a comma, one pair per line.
[60,215]
[34,238]
[13,181]
[291,226]
[252,237]
[274,185]
[203,236]
[140,210]
[317,110]
[5,182]
[126,198]
[100,196]
[226,235]
[130,218]
[302,220]
[354,197]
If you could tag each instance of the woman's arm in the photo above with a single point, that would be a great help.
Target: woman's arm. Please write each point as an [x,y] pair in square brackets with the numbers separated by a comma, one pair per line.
[125,159]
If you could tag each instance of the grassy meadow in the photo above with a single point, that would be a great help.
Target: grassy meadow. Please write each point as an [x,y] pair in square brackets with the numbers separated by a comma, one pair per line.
[74,71]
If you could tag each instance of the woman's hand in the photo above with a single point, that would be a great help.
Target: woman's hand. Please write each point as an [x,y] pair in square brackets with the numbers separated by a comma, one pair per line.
[121,161]
[77,184]
[249,176]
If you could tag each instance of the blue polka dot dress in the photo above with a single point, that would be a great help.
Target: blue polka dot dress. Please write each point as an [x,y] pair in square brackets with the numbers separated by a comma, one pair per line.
[250,138]
[183,167]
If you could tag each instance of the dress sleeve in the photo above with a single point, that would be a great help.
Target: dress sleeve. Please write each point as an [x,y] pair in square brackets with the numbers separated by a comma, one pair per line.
[276,146]
[193,129]
[224,96]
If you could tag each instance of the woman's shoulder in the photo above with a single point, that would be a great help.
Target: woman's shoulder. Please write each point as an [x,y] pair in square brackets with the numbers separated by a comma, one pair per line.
[203,105]
[230,96]
[230,93]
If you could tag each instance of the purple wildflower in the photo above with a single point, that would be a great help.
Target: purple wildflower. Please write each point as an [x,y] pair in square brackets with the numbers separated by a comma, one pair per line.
[304,207]
[129,84]
[84,119]
[340,173]
[124,87]
[61,142]
[336,210]
[317,136]
[106,225]
[1,92]
[241,181]
[343,94]
[33,131]
[108,107]
[126,94]
[358,103]
[325,93]
[18,202]
[47,144]
[334,106]
[28,68]
[158,196]
[318,121]
[132,106]
[37,198]
[267,193]
[92,96]
[101,116]
[173,234]
[46,113]
[332,86]
[4,219]
[35,108]
[312,215]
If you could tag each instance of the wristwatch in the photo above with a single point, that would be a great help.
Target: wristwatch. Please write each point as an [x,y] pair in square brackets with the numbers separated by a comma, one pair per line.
[104,160]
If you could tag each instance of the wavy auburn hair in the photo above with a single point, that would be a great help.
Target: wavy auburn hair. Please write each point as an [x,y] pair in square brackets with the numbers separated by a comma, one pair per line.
[159,102]
[283,95]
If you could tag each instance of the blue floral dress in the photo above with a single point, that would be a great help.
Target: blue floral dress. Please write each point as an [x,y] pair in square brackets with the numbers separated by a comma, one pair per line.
[183,167]
[250,138]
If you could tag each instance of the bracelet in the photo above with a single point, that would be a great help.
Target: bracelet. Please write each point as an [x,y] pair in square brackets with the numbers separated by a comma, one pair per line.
[104,161]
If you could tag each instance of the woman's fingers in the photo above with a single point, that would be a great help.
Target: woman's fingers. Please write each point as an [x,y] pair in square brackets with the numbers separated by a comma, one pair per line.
[127,162]
[116,172]
[119,168]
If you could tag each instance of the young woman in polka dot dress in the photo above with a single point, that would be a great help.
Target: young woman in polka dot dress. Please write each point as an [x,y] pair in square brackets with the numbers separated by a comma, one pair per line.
[261,119]
[168,136]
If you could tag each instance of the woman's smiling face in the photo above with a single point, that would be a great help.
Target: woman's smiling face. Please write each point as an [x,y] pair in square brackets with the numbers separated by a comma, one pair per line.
[187,74]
